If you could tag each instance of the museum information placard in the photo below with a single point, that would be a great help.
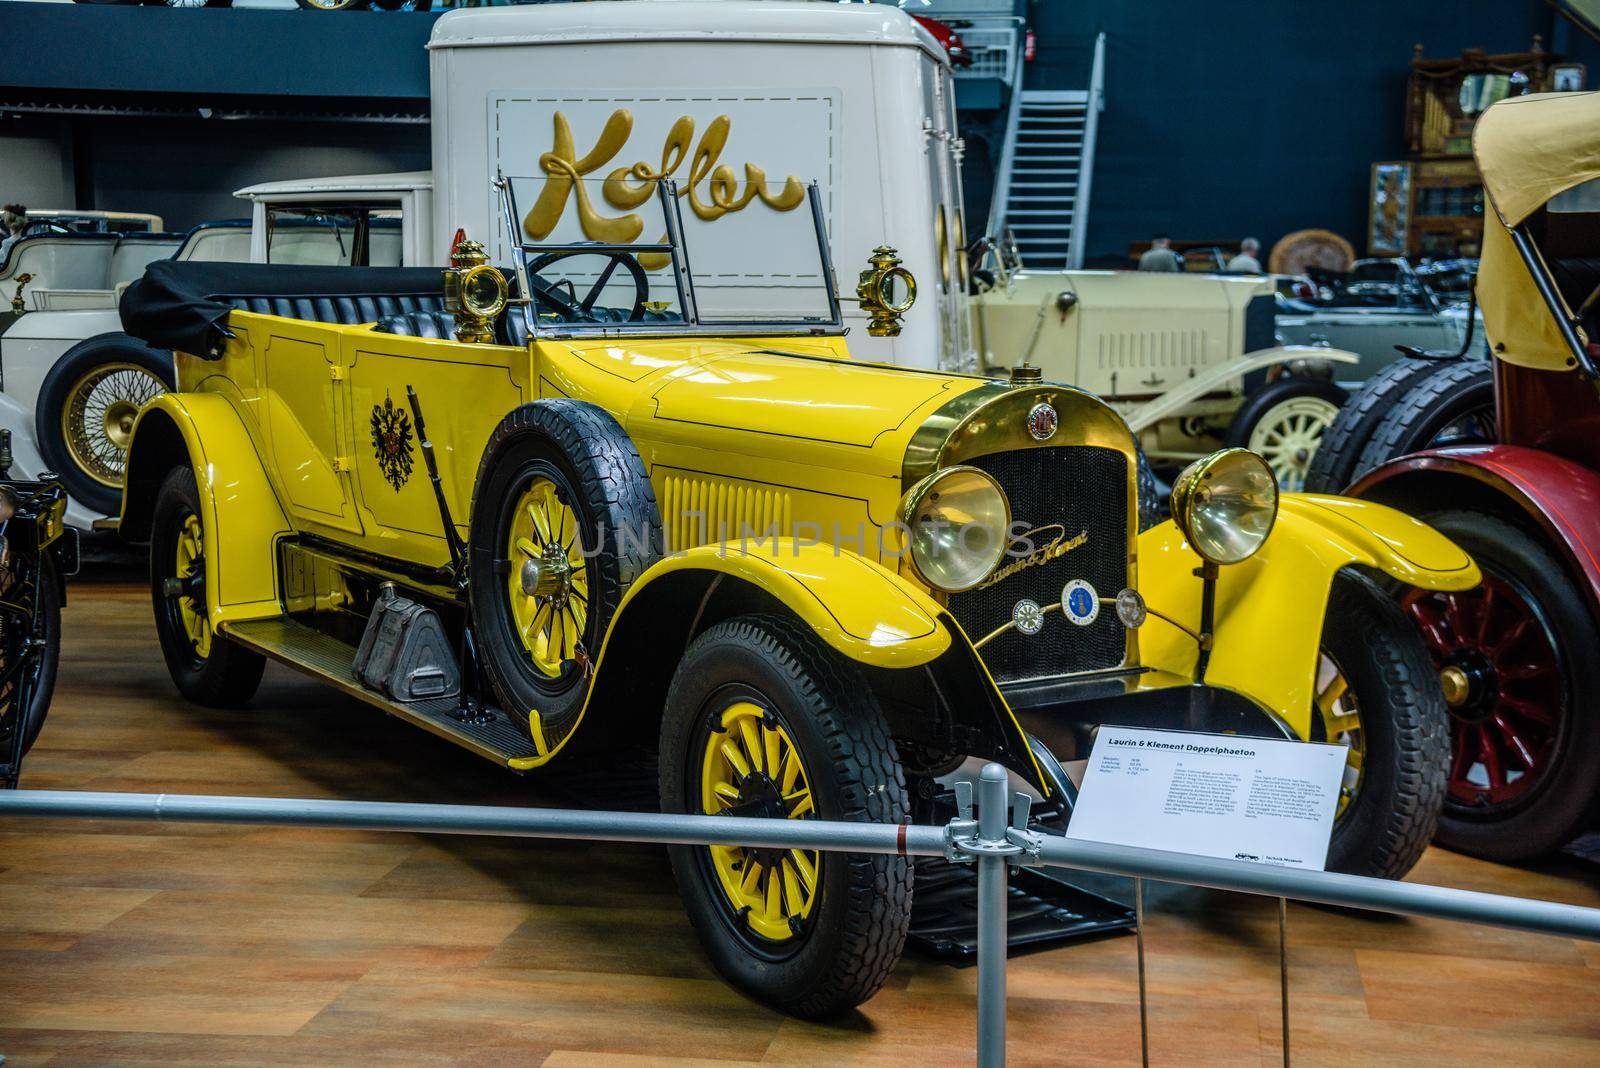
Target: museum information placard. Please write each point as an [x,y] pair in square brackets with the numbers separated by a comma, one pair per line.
[1266,800]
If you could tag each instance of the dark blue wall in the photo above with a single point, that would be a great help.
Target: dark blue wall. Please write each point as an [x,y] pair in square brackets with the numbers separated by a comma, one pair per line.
[1231,118]
[1223,118]
[214,51]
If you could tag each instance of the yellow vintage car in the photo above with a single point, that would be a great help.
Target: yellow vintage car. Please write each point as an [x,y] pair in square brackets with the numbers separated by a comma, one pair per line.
[618,507]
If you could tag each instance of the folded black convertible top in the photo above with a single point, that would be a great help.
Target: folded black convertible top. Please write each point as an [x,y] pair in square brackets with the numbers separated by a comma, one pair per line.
[184,306]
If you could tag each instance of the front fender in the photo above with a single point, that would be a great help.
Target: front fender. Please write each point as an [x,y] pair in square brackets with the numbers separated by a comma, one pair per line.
[1560,496]
[1270,608]
[238,505]
[861,609]
[858,607]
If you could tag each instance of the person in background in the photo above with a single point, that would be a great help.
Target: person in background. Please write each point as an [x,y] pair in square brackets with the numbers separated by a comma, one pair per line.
[13,217]
[1159,256]
[1247,261]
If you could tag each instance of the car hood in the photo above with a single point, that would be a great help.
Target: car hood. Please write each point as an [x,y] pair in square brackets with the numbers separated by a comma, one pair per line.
[792,401]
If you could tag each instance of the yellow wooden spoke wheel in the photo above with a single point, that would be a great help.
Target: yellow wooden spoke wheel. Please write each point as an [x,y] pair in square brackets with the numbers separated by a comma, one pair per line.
[1340,716]
[97,420]
[191,571]
[548,581]
[751,767]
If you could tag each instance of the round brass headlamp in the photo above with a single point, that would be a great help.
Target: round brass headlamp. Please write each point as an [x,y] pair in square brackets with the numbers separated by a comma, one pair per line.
[1225,504]
[483,291]
[959,523]
[8,503]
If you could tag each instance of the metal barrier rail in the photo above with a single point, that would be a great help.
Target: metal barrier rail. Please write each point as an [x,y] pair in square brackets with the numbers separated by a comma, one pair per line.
[997,839]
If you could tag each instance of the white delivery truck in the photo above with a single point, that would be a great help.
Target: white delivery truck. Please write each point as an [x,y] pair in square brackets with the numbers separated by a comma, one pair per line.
[744,105]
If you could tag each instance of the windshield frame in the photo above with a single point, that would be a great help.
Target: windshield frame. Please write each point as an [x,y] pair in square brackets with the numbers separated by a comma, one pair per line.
[523,253]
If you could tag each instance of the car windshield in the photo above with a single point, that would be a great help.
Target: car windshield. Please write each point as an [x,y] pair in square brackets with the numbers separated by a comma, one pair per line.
[636,253]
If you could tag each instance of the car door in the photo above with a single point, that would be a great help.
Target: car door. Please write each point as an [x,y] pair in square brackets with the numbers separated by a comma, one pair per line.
[304,400]
[463,391]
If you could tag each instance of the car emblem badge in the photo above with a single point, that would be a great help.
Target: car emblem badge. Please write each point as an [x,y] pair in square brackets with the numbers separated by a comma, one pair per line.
[1079,602]
[1028,616]
[391,442]
[1042,422]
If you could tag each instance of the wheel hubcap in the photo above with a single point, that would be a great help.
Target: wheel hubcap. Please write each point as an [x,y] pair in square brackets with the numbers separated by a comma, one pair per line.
[750,767]
[548,585]
[1340,719]
[1501,673]
[97,421]
[1288,435]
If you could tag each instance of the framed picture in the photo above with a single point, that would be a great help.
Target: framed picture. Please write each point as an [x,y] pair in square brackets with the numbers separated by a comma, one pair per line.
[1389,221]
[1567,78]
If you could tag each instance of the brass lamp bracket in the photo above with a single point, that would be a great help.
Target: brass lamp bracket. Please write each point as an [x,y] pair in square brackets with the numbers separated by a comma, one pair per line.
[18,306]
[876,292]
[475,293]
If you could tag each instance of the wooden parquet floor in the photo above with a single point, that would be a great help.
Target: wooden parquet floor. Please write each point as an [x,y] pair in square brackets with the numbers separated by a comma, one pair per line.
[133,944]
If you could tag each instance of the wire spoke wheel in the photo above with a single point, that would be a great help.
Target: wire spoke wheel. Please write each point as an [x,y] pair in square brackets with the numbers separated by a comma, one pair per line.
[97,420]
[548,579]
[1502,674]
[750,766]
[1287,437]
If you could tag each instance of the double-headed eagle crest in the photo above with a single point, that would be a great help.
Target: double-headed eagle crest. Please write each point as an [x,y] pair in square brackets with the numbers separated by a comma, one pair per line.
[391,442]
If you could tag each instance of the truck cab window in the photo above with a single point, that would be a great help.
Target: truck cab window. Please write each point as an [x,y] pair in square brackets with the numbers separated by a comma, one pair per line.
[343,236]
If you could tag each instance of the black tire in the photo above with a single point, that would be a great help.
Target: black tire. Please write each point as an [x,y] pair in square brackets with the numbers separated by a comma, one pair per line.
[1559,804]
[1453,404]
[1265,404]
[56,392]
[226,675]
[47,601]
[1333,467]
[856,929]
[598,474]
[1404,731]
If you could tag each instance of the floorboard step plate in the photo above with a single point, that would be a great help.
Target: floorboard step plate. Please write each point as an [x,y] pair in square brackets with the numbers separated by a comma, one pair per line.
[1042,909]
[329,659]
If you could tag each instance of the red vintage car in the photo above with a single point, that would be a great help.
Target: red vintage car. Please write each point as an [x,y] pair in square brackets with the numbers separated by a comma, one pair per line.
[1519,656]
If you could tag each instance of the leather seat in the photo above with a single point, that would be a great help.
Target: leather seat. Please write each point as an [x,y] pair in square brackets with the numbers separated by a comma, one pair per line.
[434,325]
[340,310]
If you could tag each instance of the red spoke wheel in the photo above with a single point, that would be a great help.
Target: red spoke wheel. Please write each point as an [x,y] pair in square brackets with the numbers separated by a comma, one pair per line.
[1516,661]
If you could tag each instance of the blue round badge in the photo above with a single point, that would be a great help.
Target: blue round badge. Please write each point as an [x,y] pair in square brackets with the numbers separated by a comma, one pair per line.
[1079,602]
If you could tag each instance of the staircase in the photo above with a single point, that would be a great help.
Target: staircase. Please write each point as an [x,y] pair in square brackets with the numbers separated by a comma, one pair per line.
[1042,190]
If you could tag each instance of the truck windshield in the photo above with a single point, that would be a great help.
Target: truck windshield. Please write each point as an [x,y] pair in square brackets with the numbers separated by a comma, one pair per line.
[339,236]
[637,253]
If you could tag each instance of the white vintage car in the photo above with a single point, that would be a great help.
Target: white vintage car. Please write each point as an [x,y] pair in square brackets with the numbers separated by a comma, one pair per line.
[71,381]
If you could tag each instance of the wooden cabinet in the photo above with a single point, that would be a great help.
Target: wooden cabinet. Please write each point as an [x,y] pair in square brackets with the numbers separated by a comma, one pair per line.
[1432,204]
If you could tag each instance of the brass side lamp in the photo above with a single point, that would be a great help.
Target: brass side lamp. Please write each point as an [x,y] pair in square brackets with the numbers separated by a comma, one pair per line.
[475,293]
[886,292]
[18,306]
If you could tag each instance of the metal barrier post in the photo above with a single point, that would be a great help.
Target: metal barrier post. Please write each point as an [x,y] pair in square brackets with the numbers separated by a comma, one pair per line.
[1138,934]
[992,818]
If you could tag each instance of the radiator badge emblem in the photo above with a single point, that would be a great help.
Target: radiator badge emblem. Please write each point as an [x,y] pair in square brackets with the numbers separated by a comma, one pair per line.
[1056,545]
[391,442]
[1028,616]
[1079,602]
[1042,422]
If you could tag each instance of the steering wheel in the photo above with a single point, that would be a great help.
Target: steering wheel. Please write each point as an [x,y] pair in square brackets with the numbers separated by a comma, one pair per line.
[582,311]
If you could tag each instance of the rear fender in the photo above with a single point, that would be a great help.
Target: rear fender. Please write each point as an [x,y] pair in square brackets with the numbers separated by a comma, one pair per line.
[239,508]
[1270,608]
[1560,497]
[865,612]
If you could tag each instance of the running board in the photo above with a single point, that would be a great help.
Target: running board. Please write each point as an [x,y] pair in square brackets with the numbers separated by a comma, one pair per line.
[1042,909]
[327,659]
